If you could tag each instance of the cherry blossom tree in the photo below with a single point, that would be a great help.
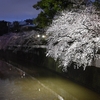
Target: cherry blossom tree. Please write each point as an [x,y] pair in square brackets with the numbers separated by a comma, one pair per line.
[74,37]
[16,41]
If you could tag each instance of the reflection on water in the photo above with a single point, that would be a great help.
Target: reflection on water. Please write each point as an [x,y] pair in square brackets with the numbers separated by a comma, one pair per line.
[46,86]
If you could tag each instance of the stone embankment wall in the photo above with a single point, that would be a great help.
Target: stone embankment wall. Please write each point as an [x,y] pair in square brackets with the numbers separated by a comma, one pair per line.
[90,77]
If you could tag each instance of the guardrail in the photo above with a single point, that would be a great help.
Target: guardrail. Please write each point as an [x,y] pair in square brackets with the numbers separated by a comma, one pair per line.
[25,46]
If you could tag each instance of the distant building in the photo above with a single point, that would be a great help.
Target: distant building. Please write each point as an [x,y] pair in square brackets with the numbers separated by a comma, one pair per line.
[22,23]
[3,27]
[16,26]
[28,27]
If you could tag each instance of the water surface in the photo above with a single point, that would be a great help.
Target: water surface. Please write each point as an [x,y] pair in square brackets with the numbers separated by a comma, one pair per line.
[39,84]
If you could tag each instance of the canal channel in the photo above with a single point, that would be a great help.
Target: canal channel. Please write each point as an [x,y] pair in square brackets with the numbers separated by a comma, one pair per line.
[20,83]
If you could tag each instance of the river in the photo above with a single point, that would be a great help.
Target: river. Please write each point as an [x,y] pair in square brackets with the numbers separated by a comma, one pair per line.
[39,84]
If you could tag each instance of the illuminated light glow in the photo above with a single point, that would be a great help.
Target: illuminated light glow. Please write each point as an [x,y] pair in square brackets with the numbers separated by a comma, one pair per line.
[74,36]
[38,35]
[43,36]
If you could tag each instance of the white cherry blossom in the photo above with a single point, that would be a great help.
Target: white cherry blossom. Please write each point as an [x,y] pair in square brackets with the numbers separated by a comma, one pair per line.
[74,36]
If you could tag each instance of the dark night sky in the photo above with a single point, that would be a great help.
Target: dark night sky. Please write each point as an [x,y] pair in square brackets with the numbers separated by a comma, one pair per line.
[11,10]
